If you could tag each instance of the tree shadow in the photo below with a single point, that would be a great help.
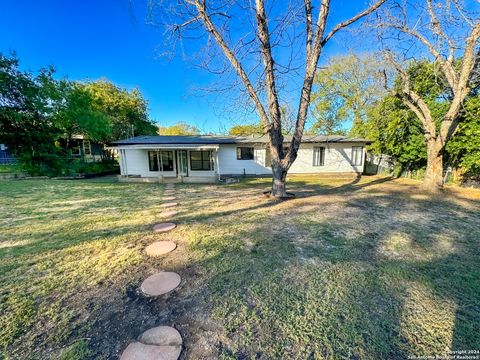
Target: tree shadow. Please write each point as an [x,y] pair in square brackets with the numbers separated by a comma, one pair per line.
[335,274]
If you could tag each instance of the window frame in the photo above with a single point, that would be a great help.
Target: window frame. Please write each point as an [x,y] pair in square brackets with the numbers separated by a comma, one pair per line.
[357,159]
[87,145]
[153,159]
[318,158]
[158,164]
[202,160]
[240,153]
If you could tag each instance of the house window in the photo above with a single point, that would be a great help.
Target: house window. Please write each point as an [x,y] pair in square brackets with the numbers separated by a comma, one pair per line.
[201,160]
[160,160]
[318,156]
[357,155]
[87,147]
[166,160]
[245,153]
[153,161]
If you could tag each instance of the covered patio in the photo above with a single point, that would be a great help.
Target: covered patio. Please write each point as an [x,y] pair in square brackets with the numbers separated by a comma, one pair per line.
[169,163]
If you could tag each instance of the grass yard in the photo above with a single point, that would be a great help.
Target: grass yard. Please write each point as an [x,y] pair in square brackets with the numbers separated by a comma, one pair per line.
[369,269]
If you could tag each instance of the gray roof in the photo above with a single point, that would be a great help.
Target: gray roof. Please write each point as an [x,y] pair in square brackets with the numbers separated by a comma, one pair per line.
[214,139]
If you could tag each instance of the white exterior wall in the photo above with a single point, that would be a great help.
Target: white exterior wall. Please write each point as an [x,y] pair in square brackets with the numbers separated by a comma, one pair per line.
[137,164]
[337,160]
[227,157]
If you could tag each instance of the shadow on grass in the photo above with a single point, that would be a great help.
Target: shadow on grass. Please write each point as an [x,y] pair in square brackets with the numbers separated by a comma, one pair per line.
[274,294]
[311,277]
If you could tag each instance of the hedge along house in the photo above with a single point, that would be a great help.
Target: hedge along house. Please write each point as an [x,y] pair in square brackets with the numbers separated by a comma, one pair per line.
[211,158]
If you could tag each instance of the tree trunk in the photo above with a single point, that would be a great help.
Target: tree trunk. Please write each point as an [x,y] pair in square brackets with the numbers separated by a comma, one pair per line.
[279,181]
[433,181]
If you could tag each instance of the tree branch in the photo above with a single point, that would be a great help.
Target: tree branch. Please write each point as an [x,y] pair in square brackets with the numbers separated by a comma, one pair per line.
[211,28]
[266,50]
[350,21]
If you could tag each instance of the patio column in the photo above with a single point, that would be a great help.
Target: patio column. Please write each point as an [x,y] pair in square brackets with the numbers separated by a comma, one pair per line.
[218,163]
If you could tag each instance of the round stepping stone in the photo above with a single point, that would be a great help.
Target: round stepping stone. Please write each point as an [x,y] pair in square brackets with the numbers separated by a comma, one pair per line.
[139,351]
[164,227]
[160,248]
[169,192]
[161,335]
[169,204]
[160,283]
[169,213]
[169,198]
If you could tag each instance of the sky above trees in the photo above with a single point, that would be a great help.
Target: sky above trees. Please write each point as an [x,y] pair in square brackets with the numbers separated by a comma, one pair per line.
[94,39]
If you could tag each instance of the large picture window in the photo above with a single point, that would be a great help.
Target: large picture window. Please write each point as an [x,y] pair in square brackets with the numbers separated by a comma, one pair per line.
[357,155]
[245,153]
[318,156]
[160,160]
[201,160]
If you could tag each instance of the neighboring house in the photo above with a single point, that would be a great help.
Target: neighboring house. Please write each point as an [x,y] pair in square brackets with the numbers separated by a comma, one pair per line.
[210,158]
[6,158]
[87,150]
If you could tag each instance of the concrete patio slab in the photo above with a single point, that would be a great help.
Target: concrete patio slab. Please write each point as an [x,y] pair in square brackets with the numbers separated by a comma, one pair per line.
[160,283]
[159,248]
[164,227]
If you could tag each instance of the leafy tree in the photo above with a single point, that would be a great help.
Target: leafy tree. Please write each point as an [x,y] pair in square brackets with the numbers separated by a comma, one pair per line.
[246,130]
[395,131]
[126,110]
[344,91]
[81,115]
[39,115]
[463,150]
[27,105]
[181,128]
[449,33]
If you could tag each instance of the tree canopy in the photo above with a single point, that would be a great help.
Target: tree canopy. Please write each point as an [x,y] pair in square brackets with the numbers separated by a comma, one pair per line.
[181,128]
[344,90]
[39,114]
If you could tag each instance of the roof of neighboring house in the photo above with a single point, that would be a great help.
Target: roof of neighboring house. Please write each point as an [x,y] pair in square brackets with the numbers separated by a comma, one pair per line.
[213,139]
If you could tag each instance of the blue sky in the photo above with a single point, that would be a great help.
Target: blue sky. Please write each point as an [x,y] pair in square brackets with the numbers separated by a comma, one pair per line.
[89,39]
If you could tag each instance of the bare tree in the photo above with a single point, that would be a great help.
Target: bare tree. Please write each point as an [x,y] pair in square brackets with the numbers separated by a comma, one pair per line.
[448,33]
[269,31]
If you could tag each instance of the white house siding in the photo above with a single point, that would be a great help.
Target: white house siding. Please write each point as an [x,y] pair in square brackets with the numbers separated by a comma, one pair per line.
[337,159]
[227,157]
[137,164]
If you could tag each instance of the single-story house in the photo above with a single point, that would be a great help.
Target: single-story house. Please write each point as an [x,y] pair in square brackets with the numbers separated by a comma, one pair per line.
[206,158]
[81,147]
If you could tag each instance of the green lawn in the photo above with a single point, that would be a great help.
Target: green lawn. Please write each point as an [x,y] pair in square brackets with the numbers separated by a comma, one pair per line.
[372,269]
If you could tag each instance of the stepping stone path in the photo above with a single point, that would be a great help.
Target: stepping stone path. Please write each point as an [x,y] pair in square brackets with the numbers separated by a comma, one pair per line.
[162,342]
[160,283]
[164,227]
[169,213]
[160,248]
[169,204]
